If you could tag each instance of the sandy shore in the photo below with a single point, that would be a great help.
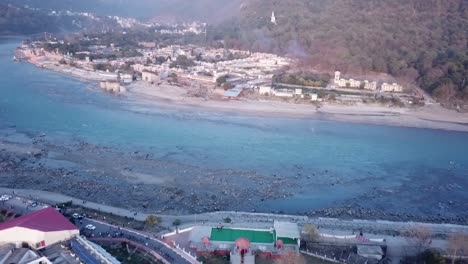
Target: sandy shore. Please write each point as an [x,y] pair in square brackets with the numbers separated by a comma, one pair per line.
[431,116]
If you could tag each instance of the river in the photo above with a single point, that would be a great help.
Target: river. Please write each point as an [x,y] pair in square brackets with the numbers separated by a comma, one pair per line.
[330,163]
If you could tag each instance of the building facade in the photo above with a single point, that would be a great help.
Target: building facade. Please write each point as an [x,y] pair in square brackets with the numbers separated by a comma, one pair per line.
[394,87]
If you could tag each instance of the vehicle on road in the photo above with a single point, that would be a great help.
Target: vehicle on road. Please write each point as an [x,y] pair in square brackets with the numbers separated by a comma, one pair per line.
[90,227]
[5,198]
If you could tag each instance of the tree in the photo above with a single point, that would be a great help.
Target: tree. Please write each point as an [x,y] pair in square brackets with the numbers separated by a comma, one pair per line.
[183,62]
[177,222]
[227,86]
[311,233]
[426,257]
[152,220]
[161,59]
[457,246]
[173,77]
[420,237]
[101,67]
[220,80]
[227,220]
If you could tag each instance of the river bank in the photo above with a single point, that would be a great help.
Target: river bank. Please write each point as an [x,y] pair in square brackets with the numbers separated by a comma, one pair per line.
[432,116]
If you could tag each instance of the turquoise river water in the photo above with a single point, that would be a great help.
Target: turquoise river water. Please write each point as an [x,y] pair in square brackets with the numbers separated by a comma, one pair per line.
[396,165]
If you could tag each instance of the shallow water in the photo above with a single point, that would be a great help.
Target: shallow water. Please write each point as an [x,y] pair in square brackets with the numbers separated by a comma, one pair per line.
[379,167]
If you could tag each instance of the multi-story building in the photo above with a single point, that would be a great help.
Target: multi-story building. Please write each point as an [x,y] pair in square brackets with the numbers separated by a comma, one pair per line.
[394,87]
[370,85]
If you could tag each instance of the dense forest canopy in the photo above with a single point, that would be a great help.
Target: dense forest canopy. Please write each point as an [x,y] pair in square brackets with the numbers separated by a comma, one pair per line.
[422,41]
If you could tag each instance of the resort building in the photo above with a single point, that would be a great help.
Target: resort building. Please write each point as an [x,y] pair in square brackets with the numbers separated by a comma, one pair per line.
[394,87]
[370,85]
[38,229]
[243,243]
[349,83]
[367,85]
[46,237]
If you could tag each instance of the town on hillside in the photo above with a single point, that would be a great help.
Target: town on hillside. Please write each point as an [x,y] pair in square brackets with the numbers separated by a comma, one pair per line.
[209,72]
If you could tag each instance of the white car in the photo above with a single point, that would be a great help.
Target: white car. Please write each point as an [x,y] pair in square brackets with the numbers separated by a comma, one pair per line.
[5,197]
[90,227]
[75,215]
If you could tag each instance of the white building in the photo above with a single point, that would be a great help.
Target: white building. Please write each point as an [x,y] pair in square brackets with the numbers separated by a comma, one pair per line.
[39,229]
[283,93]
[313,97]
[352,83]
[394,87]
[370,85]
[264,90]
[150,77]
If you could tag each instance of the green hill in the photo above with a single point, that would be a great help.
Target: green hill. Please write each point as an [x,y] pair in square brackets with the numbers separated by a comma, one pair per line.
[425,41]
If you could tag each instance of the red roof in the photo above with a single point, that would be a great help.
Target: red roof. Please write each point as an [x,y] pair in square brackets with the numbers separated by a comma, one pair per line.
[45,220]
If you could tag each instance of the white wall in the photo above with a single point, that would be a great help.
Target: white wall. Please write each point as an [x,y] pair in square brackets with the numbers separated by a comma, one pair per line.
[32,237]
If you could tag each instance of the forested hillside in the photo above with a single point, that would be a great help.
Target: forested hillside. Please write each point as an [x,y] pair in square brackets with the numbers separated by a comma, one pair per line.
[425,41]
[206,10]
[19,21]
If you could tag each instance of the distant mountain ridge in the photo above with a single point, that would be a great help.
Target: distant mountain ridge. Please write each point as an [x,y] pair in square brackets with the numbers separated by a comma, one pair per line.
[19,20]
[206,10]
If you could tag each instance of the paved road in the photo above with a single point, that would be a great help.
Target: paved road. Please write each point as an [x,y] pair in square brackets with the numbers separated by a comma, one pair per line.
[374,226]
[397,246]
[107,230]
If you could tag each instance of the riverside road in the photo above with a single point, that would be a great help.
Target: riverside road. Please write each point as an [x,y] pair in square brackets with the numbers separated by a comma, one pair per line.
[369,226]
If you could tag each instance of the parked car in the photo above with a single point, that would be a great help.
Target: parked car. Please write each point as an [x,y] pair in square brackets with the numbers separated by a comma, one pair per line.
[90,227]
[5,198]
[76,216]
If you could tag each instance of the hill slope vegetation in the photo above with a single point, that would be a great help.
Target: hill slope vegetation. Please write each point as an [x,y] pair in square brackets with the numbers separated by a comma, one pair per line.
[422,41]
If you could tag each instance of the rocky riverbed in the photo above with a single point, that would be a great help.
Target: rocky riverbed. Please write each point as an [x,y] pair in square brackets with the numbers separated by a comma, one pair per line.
[134,180]
[143,182]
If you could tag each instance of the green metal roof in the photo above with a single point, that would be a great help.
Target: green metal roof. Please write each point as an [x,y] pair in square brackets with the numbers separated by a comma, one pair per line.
[231,235]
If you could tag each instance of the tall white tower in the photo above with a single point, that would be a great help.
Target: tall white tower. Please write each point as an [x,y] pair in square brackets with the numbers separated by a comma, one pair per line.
[273,18]
[337,76]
